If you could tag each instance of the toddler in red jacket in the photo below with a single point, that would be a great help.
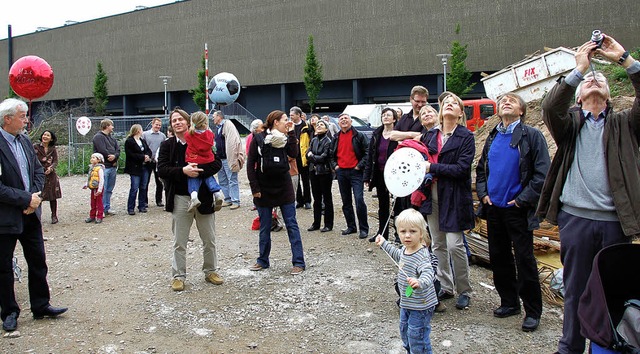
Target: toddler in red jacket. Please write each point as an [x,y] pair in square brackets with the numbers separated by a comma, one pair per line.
[200,141]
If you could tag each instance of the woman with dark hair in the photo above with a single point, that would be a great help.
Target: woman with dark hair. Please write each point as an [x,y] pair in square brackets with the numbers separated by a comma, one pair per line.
[320,173]
[137,155]
[380,148]
[48,157]
[452,145]
[268,173]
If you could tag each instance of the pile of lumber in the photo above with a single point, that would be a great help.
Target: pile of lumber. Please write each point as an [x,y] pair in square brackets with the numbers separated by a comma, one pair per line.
[545,240]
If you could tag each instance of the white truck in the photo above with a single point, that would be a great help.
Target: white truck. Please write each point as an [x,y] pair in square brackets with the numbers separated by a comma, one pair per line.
[371,113]
[531,78]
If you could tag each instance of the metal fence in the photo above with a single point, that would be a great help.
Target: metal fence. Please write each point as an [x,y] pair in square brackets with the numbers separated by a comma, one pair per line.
[81,146]
[241,115]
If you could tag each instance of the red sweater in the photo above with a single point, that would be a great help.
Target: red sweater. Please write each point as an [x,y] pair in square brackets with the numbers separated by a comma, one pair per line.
[199,147]
[346,155]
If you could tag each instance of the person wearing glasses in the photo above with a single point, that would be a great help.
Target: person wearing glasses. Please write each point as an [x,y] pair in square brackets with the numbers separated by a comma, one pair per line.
[592,190]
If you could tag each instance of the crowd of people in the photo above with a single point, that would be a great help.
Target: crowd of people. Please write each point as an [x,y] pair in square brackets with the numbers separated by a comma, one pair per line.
[590,190]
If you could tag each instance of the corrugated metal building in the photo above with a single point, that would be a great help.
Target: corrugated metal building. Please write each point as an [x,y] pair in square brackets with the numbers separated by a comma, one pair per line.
[371,50]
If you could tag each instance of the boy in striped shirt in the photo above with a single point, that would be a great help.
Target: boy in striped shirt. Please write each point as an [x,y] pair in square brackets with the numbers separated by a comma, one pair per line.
[416,272]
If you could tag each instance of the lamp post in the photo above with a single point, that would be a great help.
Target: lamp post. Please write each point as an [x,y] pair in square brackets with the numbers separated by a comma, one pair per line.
[165,80]
[444,58]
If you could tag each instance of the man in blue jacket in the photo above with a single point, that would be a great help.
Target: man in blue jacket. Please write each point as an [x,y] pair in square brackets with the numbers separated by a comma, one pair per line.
[21,181]
[509,178]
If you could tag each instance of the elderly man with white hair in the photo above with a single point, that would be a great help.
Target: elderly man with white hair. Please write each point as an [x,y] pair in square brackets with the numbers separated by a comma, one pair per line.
[21,182]
[592,190]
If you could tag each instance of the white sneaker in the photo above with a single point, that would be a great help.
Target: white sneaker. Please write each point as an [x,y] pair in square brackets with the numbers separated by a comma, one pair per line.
[194,203]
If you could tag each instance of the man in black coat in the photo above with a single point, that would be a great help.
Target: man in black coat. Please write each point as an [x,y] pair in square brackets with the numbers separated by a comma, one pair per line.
[21,181]
[173,168]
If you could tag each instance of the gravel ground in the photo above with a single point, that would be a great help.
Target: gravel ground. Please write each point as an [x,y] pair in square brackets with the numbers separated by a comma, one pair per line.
[115,278]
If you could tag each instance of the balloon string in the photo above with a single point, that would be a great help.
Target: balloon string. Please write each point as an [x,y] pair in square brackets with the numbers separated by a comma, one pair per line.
[396,263]
[393,202]
[30,115]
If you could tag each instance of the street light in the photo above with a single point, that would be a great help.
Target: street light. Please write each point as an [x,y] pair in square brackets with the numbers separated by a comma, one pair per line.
[165,80]
[444,58]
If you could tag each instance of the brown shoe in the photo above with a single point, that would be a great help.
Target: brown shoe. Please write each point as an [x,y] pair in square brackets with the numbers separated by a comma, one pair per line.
[234,206]
[297,270]
[256,267]
[213,278]
[440,307]
[177,284]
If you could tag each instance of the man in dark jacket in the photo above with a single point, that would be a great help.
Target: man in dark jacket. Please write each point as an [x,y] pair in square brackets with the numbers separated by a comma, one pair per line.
[592,190]
[348,159]
[518,158]
[21,181]
[107,145]
[173,168]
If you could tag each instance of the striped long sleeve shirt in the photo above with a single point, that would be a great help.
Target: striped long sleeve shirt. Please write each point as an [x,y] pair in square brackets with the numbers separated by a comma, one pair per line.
[416,265]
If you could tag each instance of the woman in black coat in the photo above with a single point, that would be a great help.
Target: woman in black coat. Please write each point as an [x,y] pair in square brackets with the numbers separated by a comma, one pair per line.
[451,202]
[319,156]
[137,155]
[270,182]
[380,148]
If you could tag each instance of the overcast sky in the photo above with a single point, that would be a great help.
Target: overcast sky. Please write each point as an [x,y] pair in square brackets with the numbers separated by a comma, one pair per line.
[25,16]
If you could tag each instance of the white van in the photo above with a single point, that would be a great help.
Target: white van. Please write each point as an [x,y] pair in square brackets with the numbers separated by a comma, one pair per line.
[371,113]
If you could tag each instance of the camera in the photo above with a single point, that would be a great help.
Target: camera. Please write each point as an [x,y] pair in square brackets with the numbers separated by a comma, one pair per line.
[597,37]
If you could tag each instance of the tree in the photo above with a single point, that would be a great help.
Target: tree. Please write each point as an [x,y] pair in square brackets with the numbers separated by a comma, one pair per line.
[459,80]
[199,93]
[12,94]
[100,91]
[312,75]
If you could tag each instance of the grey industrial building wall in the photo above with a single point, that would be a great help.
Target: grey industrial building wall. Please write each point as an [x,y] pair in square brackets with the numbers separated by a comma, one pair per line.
[263,42]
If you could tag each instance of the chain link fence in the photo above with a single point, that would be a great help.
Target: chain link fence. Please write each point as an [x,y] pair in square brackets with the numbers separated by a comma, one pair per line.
[80,146]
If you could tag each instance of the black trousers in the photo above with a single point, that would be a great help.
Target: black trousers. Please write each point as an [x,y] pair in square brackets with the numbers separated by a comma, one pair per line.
[159,187]
[383,207]
[303,192]
[33,249]
[581,239]
[321,189]
[508,227]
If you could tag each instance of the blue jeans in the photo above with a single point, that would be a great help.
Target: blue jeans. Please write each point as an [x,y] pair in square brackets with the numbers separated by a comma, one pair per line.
[289,216]
[109,183]
[193,184]
[415,329]
[138,183]
[350,179]
[229,183]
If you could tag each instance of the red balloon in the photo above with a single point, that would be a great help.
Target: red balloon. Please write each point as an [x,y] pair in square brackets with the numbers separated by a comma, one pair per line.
[31,77]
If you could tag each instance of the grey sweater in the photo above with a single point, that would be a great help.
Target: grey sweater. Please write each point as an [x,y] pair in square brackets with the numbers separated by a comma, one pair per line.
[586,192]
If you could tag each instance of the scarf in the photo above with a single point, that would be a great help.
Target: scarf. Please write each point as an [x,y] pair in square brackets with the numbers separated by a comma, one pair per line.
[276,138]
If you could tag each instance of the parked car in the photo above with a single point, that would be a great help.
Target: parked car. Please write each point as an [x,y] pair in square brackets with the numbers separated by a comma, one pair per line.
[359,124]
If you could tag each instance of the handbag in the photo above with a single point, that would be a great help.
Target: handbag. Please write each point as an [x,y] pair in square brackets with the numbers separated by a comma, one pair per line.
[629,326]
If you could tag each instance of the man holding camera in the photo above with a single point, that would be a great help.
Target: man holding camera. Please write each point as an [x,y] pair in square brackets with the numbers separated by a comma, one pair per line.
[592,190]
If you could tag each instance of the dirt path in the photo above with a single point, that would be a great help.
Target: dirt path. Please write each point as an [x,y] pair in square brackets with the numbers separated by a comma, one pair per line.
[115,279]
